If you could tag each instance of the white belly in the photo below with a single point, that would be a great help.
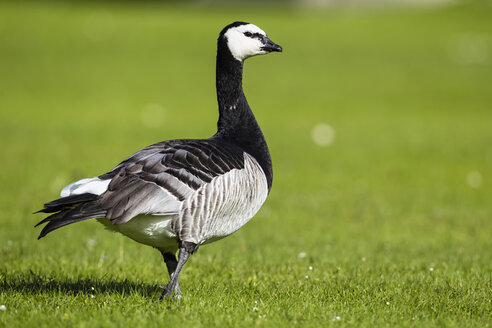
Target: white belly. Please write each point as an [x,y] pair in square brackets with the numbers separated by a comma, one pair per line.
[152,230]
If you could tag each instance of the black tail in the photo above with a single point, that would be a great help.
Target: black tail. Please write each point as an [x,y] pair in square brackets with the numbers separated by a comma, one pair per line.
[69,210]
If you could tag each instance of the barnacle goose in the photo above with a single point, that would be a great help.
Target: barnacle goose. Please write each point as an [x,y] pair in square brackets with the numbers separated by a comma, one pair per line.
[180,194]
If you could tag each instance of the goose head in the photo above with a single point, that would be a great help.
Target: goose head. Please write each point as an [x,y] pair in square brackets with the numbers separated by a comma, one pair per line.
[246,40]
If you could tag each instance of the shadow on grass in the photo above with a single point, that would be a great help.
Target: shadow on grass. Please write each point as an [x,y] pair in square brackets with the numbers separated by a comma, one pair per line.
[31,283]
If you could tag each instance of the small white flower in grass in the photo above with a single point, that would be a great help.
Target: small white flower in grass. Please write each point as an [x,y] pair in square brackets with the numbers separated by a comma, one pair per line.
[336,318]
[301,255]
[310,268]
[387,303]
[323,134]
[3,308]
[431,269]
[474,179]
[306,277]
[92,296]
[363,259]
[92,288]
[255,309]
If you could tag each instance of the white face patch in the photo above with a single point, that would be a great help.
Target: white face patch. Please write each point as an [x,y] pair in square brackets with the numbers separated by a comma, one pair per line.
[242,46]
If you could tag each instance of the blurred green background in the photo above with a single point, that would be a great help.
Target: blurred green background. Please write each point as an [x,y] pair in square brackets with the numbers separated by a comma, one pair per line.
[379,121]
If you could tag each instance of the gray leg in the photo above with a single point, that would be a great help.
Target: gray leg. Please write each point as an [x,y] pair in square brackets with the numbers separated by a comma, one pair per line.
[171,264]
[172,288]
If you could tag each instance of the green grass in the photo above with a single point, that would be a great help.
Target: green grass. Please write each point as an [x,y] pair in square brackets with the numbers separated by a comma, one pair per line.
[393,220]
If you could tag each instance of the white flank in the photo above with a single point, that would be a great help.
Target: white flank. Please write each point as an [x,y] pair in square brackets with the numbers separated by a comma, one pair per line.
[94,186]
[242,46]
[224,205]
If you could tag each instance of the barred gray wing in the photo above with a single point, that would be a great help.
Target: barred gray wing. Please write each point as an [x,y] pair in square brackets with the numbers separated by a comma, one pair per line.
[157,179]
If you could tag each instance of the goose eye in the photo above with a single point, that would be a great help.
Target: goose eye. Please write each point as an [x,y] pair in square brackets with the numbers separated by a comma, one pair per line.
[248,34]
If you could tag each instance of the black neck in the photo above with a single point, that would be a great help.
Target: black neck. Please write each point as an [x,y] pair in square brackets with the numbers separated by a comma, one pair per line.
[229,83]
[237,123]
[234,110]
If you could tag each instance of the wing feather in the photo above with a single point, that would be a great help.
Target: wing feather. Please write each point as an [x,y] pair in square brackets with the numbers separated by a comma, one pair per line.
[157,179]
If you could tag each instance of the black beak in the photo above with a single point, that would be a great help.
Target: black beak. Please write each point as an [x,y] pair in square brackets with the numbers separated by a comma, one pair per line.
[270,46]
